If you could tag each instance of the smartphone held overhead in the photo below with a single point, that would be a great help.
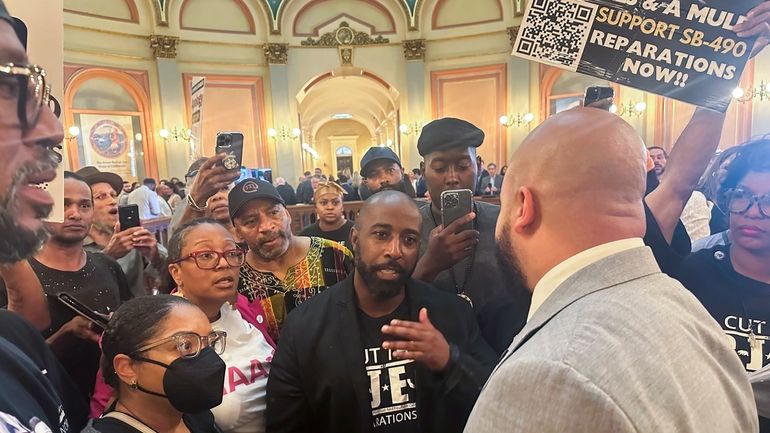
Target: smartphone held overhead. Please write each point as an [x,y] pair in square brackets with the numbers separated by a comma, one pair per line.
[597,93]
[231,144]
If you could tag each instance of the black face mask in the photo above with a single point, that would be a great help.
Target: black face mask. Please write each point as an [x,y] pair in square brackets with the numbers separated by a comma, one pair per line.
[192,385]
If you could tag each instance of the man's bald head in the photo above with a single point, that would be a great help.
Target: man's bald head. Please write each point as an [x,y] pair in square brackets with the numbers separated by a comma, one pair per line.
[587,159]
[577,181]
[386,199]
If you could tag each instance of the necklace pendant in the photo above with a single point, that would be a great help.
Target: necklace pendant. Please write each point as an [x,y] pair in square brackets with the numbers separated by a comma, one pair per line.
[462,295]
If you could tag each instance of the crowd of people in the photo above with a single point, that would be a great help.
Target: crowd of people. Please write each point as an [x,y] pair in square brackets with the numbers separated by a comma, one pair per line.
[579,304]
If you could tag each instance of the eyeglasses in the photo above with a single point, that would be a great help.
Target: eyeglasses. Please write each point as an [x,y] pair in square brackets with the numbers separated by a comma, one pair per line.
[207,260]
[27,85]
[740,201]
[190,344]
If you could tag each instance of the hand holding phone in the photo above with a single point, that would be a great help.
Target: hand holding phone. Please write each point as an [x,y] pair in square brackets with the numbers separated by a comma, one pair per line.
[456,203]
[599,97]
[98,319]
[128,216]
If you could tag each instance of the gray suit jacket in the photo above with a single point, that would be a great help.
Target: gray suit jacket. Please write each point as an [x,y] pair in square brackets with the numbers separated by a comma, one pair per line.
[618,347]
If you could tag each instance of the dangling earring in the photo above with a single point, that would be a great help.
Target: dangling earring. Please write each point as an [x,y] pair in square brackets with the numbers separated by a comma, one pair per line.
[133,385]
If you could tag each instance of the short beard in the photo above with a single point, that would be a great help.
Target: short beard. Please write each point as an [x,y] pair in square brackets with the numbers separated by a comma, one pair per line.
[511,265]
[103,228]
[266,254]
[18,243]
[381,289]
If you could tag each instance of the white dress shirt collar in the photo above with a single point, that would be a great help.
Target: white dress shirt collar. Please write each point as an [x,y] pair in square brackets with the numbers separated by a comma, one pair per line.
[561,272]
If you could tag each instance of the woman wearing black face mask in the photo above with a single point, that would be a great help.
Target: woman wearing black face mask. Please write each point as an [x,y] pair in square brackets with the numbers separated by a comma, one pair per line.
[162,357]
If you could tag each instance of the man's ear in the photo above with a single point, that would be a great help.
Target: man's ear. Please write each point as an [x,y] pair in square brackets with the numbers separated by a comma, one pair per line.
[353,236]
[526,211]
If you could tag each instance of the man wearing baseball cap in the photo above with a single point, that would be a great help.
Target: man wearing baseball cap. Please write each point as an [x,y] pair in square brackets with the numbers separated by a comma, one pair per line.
[465,261]
[135,249]
[281,270]
[381,169]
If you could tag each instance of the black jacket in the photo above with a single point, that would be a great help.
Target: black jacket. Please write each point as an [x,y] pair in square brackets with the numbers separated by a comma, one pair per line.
[318,382]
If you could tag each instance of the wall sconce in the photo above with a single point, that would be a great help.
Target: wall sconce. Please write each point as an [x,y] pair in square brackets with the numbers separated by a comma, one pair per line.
[630,109]
[284,133]
[762,93]
[410,128]
[177,134]
[517,119]
[73,133]
[306,147]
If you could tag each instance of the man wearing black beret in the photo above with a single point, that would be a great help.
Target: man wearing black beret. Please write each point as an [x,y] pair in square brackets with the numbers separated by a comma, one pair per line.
[465,262]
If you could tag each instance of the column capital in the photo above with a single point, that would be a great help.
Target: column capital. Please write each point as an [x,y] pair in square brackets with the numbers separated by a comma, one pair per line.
[163,46]
[276,53]
[512,33]
[414,49]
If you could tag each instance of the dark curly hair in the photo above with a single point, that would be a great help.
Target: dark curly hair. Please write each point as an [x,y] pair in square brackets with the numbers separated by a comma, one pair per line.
[751,156]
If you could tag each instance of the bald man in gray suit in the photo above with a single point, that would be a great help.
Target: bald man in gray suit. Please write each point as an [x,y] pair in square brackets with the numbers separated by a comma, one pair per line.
[611,344]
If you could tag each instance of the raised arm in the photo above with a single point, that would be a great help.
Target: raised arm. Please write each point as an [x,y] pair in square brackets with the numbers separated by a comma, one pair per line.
[686,163]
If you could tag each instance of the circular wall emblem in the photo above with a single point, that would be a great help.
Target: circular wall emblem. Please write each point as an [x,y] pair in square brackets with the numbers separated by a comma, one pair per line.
[108,139]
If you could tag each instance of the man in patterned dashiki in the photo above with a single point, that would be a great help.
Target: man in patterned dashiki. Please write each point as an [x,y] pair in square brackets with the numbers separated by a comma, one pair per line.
[281,270]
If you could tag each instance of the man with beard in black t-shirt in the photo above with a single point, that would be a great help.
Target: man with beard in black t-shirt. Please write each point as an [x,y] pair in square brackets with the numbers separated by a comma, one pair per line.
[365,356]
[93,278]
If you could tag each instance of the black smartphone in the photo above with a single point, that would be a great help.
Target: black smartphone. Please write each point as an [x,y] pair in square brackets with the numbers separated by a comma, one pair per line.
[128,216]
[100,320]
[597,93]
[230,143]
[455,204]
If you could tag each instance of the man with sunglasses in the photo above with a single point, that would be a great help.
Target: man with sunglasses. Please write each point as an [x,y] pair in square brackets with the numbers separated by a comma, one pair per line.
[35,393]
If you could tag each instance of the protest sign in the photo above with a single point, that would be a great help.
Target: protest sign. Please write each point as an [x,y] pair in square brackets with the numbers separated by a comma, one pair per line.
[196,122]
[682,49]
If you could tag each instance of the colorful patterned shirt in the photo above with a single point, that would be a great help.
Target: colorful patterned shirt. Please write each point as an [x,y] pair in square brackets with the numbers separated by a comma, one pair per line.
[326,263]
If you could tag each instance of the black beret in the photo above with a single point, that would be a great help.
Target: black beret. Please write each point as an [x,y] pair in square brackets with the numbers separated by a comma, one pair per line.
[448,133]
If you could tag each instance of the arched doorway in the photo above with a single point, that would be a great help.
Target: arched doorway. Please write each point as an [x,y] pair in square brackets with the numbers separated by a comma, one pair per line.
[348,110]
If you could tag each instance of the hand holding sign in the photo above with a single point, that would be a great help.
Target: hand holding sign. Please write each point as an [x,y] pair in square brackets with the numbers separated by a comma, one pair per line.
[682,49]
[756,25]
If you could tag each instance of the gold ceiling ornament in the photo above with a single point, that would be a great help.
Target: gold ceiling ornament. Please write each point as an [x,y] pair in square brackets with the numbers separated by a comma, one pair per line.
[277,54]
[512,33]
[164,47]
[414,49]
[346,55]
[344,35]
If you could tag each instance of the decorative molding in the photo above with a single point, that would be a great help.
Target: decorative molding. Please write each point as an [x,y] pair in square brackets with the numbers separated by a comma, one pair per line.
[440,4]
[277,54]
[346,55]
[133,12]
[414,49]
[239,3]
[344,35]
[163,46]
[372,28]
[512,33]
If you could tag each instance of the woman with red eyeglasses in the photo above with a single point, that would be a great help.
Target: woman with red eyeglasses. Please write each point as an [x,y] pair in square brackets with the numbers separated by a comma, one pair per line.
[204,263]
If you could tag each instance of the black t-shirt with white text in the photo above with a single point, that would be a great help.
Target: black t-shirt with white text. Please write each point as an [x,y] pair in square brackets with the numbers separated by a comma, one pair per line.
[392,381]
[740,305]
[340,235]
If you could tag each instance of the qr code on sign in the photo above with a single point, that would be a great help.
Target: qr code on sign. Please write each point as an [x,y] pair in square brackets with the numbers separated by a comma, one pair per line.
[555,32]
